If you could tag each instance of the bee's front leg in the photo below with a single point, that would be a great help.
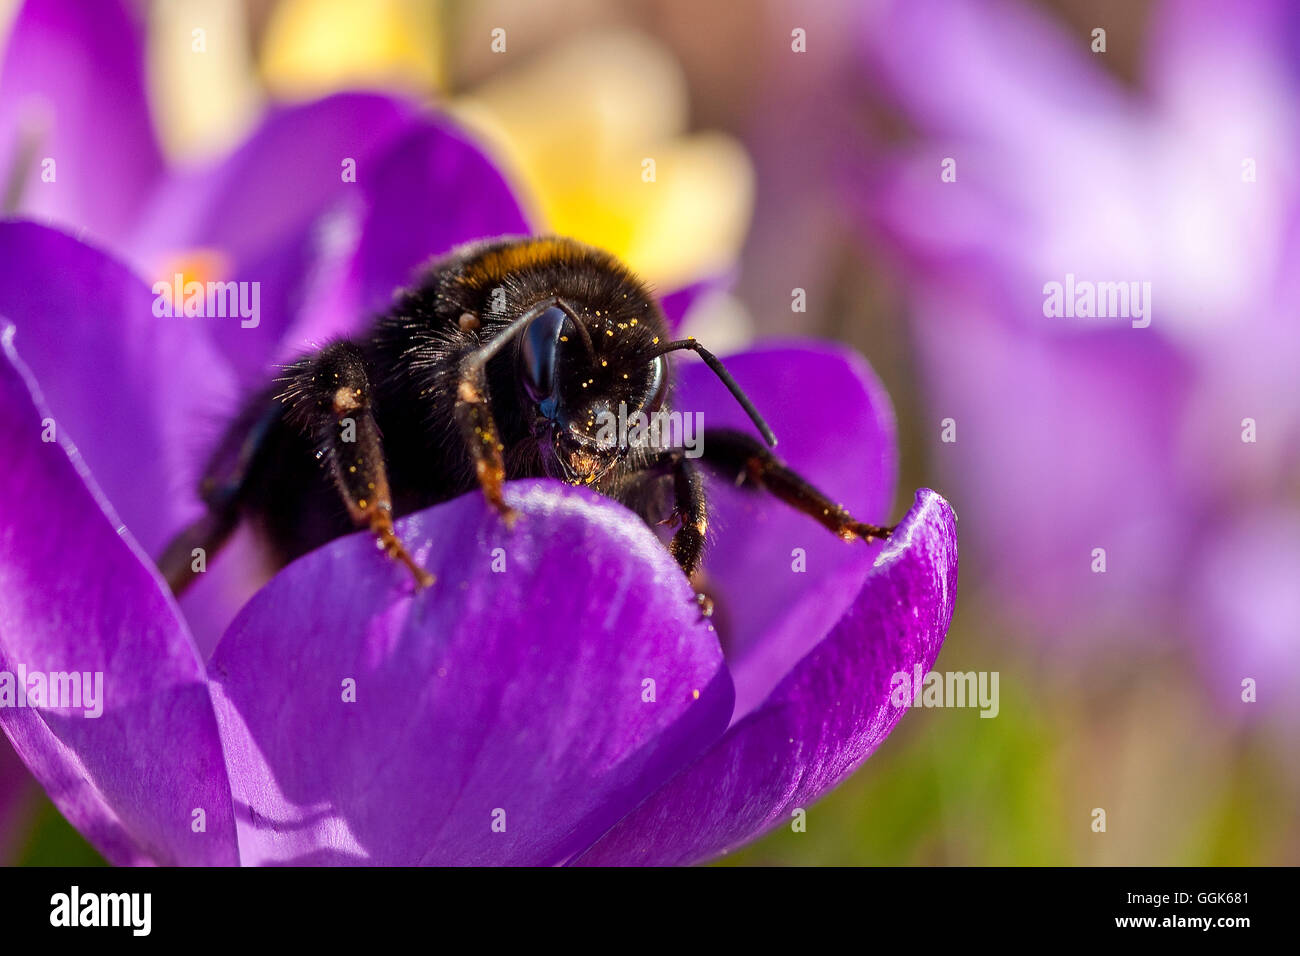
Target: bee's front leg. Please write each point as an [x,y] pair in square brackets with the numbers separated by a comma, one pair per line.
[479,430]
[691,508]
[690,511]
[329,398]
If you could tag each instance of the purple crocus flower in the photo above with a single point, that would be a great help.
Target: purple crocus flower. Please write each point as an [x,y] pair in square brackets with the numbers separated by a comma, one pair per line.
[1161,447]
[578,700]
[574,708]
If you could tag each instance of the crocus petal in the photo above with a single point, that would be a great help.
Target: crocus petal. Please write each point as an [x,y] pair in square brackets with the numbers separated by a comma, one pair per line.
[835,426]
[520,697]
[328,251]
[1072,441]
[677,303]
[431,191]
[822,721]
[1244,589]
[1226,69]
[72,91]
[133,390]
[980,70]
[278,180]
[232,577]
[261,211]
[78,595]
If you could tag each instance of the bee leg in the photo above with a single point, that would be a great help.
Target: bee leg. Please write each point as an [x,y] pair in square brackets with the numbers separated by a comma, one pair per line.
[743,458]
[207,534]
[220,490]
[690,512]
[479,430]
[691,508]
[328,397]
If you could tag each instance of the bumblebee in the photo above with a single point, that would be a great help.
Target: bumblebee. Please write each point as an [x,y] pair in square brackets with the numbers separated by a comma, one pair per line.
[500,362]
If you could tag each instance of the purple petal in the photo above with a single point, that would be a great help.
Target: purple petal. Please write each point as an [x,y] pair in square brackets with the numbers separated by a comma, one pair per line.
[835,426]
[520,690]
[1246,607]
[233,576]
[1228,71]
[137,393]
[1030,120]
[998,70]
[280,178]
[263,210]
[823,720]
[433,190]
[72,90]
[77,594]
[1070,441]
[677,303]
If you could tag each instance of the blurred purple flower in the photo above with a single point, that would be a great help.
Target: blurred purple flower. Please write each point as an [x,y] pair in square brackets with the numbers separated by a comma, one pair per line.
[517,698]
[1078,434]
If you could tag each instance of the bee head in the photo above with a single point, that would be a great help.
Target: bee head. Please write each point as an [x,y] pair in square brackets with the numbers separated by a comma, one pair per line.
[576,390]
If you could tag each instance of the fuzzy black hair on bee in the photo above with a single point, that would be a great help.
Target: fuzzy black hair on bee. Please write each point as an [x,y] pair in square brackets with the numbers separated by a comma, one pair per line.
[502,361]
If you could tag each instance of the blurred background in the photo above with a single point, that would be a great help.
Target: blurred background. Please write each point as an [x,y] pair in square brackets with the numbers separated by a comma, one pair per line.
[920,170]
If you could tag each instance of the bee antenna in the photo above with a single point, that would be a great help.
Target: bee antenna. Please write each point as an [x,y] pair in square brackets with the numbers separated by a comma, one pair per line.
[720,370]
[583,332]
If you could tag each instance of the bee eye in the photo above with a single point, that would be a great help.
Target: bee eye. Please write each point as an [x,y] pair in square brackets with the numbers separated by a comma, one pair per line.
[656,384]
[538,348]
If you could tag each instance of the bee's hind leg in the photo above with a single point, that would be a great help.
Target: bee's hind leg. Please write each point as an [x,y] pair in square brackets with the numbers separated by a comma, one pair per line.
[744,459]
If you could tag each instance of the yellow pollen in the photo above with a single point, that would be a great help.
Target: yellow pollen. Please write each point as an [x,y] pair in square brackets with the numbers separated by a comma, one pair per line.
[196,265]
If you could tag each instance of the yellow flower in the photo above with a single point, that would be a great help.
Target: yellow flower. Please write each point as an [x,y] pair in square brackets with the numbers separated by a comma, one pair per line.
[595,131]
[204,93]
[316,47]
